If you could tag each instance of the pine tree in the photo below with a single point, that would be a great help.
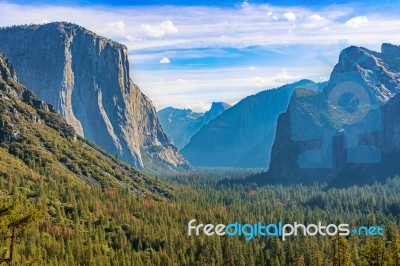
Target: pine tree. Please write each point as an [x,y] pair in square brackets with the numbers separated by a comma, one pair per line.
[13,218]
[316,256]
[374,252]
[395,251]
[340,251]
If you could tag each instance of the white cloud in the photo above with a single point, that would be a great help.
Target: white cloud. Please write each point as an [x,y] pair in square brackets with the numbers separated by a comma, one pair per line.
[281,78]
[202,27]
[290,16]
[117,26]
[165,60]
[357,21]
[315,18]
[314,21]
[245,4]
[116,29]
[150,35]
[271,15]
[207,85]
[258,81]
[198,106]
[157,31]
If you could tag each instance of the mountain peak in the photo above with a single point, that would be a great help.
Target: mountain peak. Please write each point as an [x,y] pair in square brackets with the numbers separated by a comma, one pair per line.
[354,54]
[181,124]
[217,108]
[65,28]
[377,72]
[223,105]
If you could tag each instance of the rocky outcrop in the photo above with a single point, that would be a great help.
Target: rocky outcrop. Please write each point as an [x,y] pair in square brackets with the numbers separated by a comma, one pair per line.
[348,133]
[181,124]
[216,109]
[86,78]
[243,135]
[7,71]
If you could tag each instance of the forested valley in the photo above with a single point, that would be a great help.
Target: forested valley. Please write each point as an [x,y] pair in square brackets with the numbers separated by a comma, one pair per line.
[83,225]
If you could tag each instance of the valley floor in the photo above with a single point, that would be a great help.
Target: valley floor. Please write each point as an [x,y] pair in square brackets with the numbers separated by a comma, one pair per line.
[84,225]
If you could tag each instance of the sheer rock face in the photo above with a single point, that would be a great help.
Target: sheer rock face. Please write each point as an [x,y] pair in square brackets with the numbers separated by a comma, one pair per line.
[86,78]
[348,133]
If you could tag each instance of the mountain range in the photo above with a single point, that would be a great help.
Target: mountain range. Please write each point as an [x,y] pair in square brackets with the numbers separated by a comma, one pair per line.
[181,124]
[342,131]
[243,135]
[86,78]
[348,133]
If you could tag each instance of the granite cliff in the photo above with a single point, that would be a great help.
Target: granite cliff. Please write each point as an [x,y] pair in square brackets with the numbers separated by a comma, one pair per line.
[86,78]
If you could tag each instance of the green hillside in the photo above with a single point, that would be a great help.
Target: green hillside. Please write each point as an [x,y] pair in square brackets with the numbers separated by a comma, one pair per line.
[77,186]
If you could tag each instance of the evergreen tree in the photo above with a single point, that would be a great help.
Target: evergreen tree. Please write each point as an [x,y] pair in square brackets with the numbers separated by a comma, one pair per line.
[13,218]
[374,252]
[340,251]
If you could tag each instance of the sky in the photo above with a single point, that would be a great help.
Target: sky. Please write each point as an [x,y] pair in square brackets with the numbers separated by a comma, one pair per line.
[188,54]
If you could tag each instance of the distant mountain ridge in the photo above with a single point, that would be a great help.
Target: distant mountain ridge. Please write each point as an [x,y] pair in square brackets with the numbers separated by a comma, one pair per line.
[181,124]
[243,135]
[348,133]
[86,78]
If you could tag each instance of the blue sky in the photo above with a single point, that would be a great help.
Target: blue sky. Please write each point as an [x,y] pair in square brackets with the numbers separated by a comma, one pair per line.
[223,3]
[190,53]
